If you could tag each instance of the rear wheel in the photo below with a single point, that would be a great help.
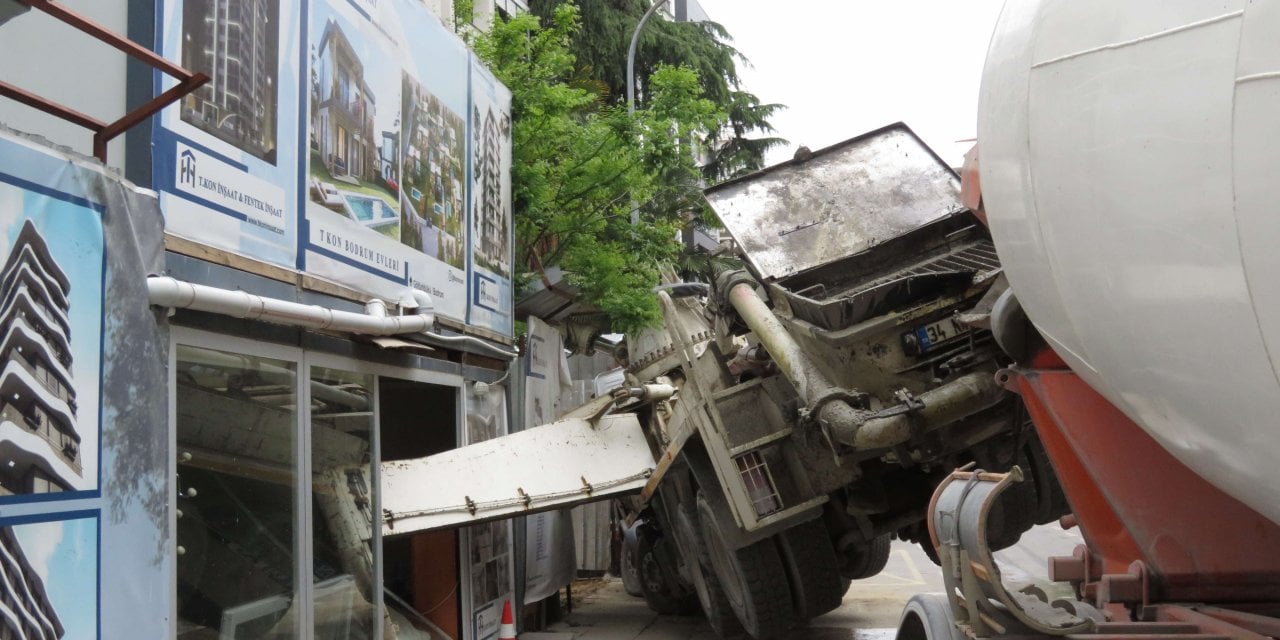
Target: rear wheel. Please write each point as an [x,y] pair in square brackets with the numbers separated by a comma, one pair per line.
[655,583]
[867,560]
[814,573]
[630,575]
[715,604]
[753,579]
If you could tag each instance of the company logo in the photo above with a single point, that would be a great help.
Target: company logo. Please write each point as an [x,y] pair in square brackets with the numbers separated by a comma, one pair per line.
[187,168]
[488,294]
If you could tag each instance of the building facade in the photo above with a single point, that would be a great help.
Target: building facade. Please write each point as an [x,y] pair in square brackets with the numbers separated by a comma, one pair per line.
[227,482]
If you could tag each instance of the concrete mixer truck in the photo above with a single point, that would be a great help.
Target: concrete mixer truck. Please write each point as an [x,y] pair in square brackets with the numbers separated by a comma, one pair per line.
[1126,165]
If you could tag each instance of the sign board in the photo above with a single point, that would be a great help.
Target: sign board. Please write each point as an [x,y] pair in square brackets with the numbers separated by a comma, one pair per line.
[226,156]
[491,224]
[337,137]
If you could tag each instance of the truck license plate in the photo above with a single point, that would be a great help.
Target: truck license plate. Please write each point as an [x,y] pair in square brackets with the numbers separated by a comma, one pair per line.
[933,334]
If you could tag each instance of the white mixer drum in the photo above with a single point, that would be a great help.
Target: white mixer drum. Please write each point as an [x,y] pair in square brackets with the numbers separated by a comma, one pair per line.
[1130,158]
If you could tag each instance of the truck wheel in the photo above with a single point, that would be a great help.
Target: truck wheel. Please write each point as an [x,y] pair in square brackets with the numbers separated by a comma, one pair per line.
[715,604]
[753,578]
[630,575]
[661,596]
[867,560]
[812,568]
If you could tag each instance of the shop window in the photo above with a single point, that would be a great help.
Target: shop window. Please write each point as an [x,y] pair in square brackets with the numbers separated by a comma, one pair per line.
[342,424]
[237,425]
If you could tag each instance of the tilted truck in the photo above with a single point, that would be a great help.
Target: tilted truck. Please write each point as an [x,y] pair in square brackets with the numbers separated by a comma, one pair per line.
[1125,168]
[790,419]
[1127,165]
[823,391]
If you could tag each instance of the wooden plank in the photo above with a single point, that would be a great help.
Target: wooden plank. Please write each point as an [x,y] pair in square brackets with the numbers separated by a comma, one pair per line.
[320,285]
[489,334]
[186,247]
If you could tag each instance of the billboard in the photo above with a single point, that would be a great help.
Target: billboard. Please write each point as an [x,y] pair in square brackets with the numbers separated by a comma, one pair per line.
[491,224]
[336,137]
[225,160]
[386,183]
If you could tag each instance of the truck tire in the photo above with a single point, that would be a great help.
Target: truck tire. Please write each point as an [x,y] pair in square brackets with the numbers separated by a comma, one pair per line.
[630,574]
[812,569]
[753,579]
[868,560]
[655,583]
[715,604]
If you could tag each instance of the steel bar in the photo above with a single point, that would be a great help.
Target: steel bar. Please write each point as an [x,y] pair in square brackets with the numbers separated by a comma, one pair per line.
[66,113]
[146,110]
[107,37]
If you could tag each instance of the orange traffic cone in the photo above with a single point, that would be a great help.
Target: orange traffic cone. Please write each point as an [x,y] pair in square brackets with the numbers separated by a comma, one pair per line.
[508,629]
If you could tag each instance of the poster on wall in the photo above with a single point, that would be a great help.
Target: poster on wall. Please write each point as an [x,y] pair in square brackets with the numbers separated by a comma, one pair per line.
[490,556]
[226,158]
[83,457]
[386,165]
[491,226]
[43,564]
[51,338]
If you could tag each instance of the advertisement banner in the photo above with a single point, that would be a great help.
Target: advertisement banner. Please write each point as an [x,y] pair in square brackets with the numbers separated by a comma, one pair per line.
[83,466]
[385,201]
[491,226]
[550,562]
[490,555]
[226,158]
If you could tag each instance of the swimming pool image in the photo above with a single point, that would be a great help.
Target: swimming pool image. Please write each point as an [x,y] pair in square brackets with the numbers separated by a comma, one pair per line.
[370,211]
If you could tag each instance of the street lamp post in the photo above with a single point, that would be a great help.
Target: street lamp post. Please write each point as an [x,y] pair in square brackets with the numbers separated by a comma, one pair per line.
[631,57]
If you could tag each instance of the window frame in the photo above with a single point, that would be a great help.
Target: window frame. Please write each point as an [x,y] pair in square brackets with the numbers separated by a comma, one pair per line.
[303,536]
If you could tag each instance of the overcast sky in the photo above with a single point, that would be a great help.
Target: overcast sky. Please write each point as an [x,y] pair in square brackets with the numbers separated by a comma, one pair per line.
[844,67]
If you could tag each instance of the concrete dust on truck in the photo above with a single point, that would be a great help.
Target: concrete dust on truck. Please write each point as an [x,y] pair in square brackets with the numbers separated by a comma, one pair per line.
[825,389]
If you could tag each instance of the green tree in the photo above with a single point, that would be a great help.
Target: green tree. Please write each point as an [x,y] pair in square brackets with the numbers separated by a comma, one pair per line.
[601,49]
[581,162]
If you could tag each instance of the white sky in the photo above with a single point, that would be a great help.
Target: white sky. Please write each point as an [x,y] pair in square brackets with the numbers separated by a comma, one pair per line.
[844,67]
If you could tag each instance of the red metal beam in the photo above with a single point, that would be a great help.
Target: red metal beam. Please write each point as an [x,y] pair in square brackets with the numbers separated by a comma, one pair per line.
[100,32]
[143,112]
[1264,625]
[52,108]
[103,132]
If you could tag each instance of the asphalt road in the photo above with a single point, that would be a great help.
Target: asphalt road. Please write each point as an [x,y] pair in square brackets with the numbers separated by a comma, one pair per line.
[603,611]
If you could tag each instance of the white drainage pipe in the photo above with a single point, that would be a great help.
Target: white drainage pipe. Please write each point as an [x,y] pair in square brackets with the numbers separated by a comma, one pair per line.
[164,291]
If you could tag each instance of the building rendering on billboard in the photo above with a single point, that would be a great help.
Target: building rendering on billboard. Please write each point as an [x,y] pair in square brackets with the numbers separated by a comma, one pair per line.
[38,410]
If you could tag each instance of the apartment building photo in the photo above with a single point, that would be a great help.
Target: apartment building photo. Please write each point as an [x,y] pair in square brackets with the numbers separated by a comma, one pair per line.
[38,435]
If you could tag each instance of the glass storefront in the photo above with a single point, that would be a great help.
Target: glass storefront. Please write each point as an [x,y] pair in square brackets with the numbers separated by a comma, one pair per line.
[237,482]
[277,509]
[342,425]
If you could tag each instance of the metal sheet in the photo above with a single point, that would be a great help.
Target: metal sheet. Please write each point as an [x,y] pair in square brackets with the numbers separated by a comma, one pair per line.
[556,465]
[843,200]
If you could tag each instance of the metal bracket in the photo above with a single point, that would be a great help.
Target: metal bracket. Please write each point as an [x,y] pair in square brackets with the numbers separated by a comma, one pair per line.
[958,524]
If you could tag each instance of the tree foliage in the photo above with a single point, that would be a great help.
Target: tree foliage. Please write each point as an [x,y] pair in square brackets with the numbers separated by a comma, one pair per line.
[601,48]
[582,165]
